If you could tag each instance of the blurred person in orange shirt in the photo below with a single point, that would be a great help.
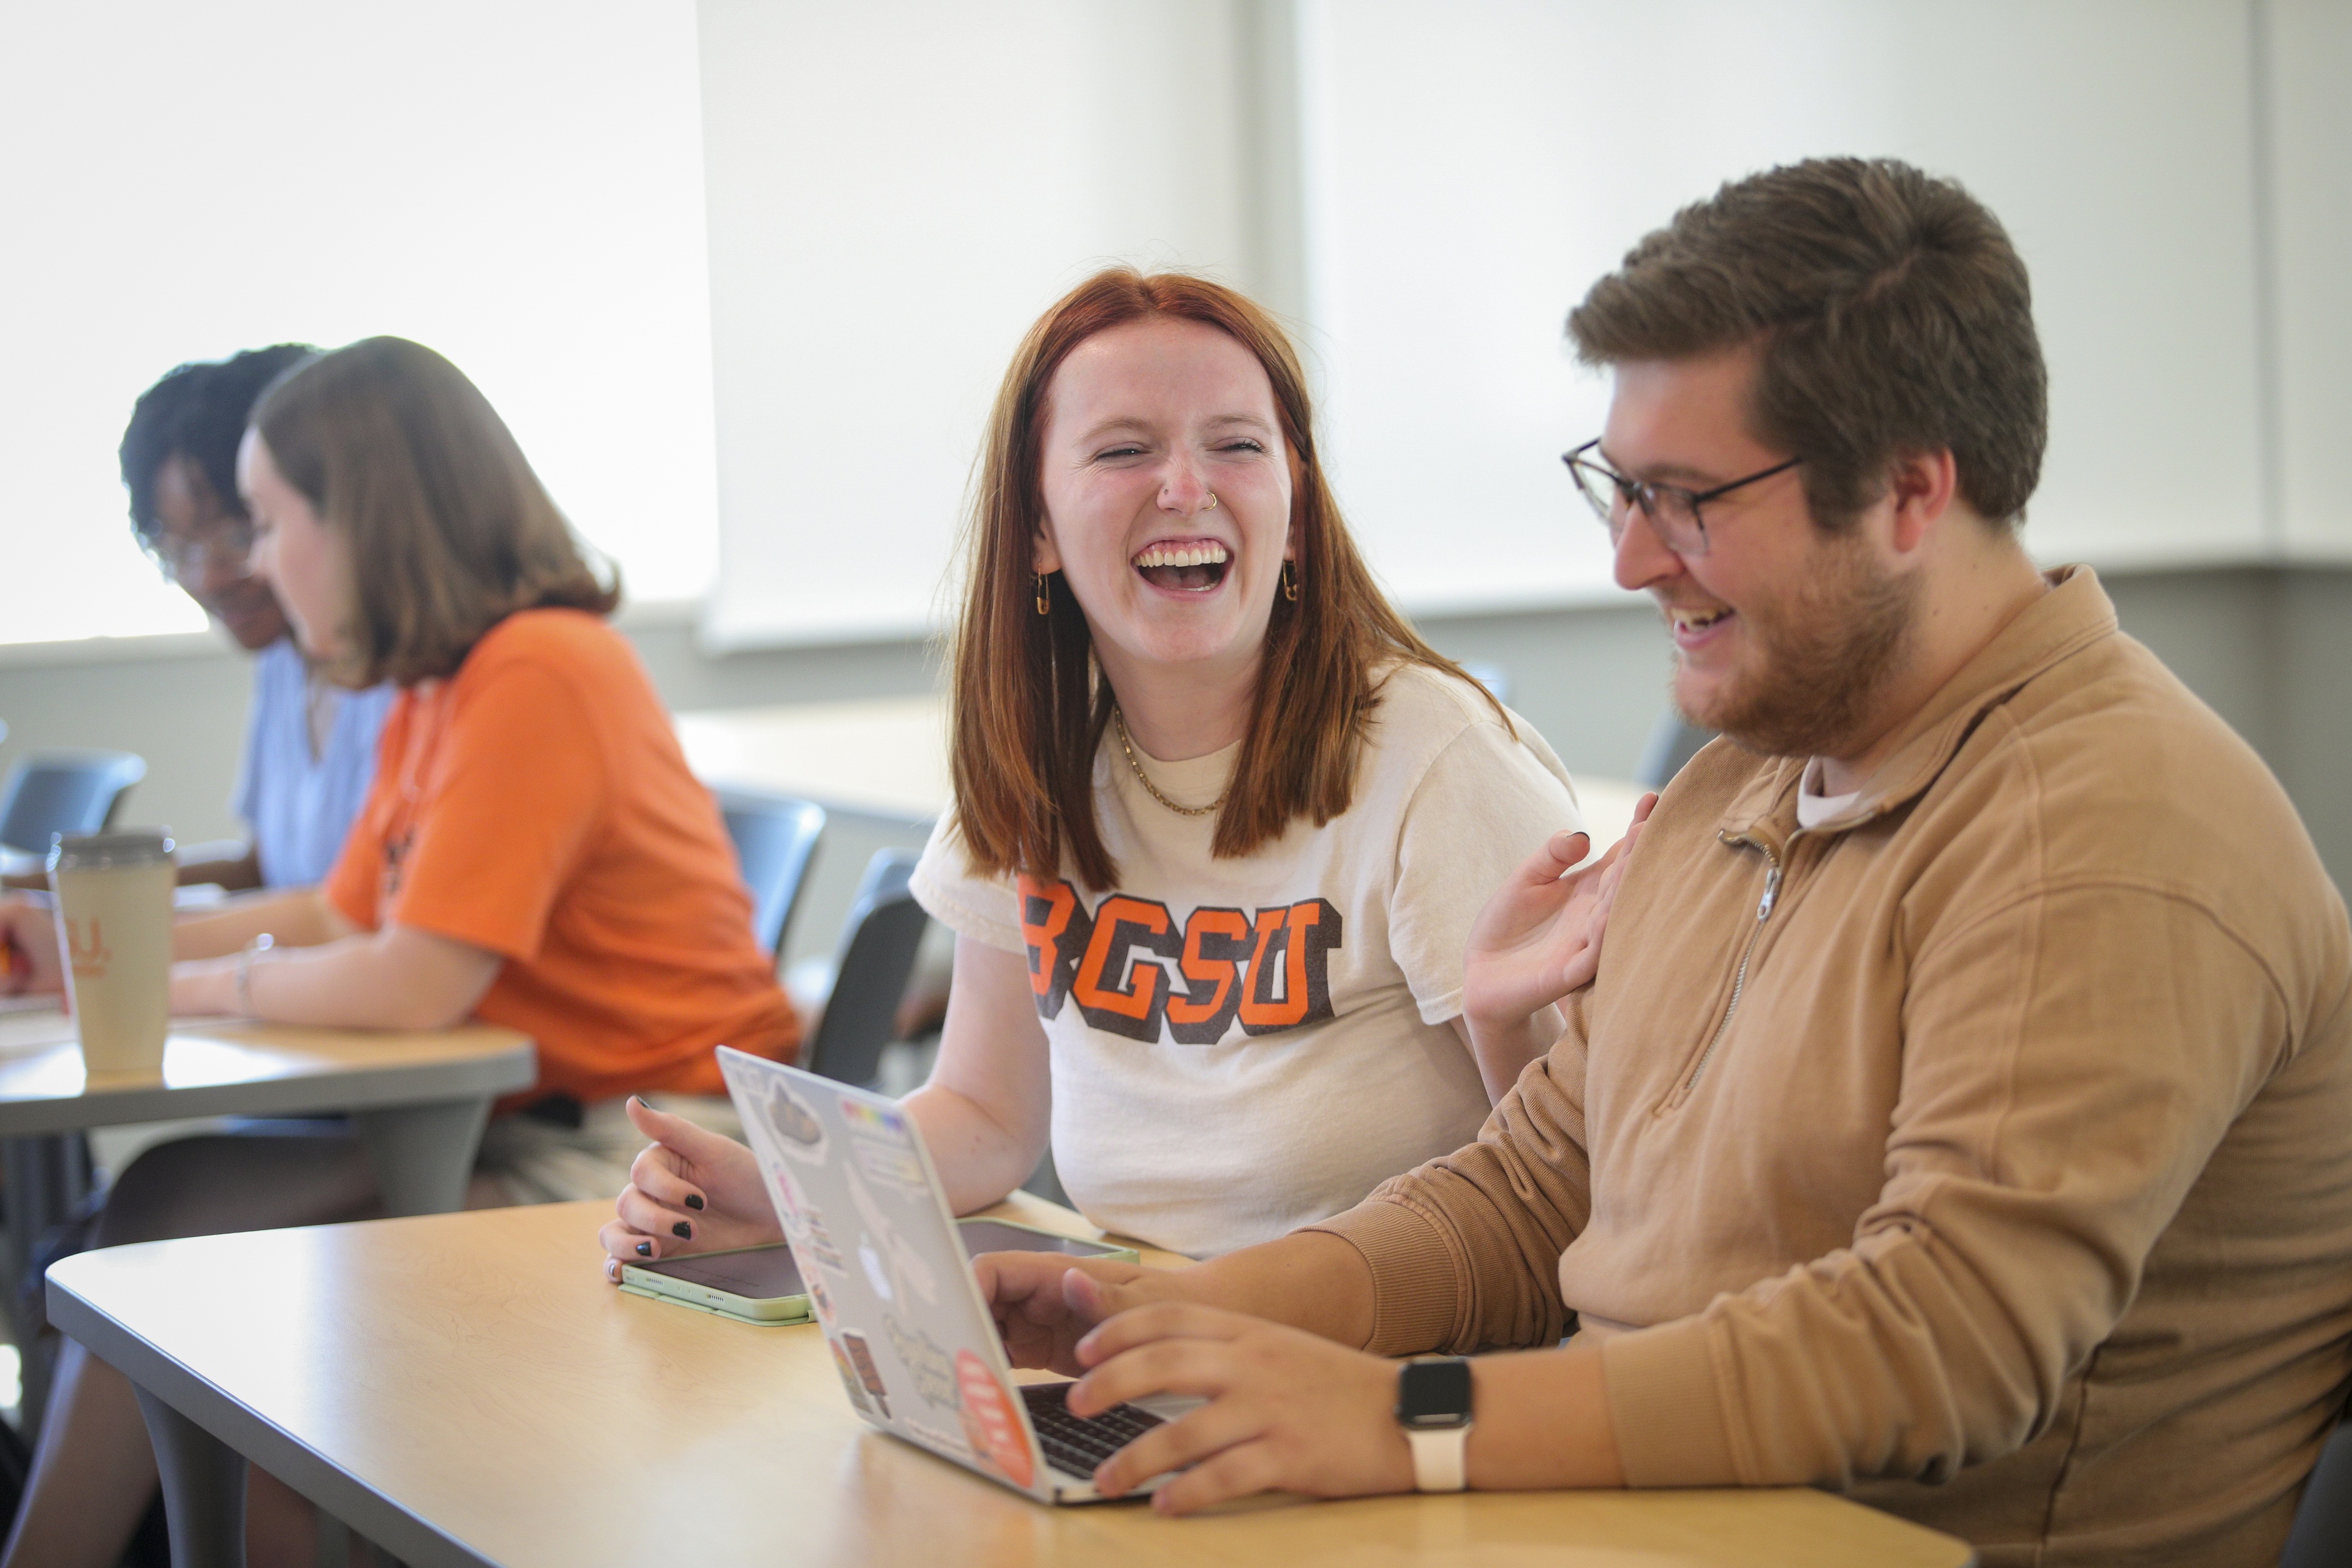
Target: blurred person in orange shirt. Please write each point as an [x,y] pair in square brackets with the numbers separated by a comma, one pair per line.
[533,853]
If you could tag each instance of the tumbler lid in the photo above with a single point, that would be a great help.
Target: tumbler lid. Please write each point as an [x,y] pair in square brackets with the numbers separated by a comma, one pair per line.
[120,846]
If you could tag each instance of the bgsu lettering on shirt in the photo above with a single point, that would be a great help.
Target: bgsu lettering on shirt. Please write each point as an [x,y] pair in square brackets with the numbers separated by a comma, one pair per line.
[1268,968]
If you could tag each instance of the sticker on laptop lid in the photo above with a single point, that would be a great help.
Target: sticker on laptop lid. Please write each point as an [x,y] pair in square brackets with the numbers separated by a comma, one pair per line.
[818,1294]
[862,1359]
[849,1379]
[861,1118]
[798,1131]
[925,1361]
[892,1166]
[990,1422]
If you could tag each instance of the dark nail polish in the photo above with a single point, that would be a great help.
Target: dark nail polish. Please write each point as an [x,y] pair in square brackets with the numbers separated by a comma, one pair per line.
[683,1231]
[645,1249]
[694,1201]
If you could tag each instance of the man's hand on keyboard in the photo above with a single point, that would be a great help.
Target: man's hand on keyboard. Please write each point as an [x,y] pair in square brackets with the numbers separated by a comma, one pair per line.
[1045,1303]
[1287,1411]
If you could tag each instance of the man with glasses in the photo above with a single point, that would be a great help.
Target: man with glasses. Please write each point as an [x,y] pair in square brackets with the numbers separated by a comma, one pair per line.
[310,750]
[1962,1112]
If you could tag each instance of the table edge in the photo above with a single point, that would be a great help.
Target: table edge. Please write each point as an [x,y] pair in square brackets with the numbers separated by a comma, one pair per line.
[367,1089]
[412,1540]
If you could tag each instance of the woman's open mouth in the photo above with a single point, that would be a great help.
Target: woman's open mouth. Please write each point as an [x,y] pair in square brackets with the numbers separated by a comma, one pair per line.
[1183,565]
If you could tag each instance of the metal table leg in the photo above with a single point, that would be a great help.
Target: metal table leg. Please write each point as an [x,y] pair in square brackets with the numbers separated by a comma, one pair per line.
[46,1176]
[203,1488]
[423,1154]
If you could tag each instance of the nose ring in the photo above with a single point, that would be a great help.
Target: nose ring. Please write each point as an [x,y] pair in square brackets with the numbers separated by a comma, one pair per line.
[1211,505]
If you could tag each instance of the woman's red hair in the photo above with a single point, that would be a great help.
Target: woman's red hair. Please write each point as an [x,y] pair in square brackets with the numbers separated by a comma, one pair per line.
[1029,703]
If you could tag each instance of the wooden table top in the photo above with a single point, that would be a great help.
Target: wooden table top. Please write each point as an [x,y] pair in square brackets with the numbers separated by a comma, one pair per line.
[223,1066]
[466,1389]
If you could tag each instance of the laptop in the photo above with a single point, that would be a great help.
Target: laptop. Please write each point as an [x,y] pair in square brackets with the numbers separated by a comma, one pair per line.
[894,1293]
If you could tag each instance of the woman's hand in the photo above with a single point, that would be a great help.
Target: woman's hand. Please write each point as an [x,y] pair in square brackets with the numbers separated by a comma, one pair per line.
[1287,1411]
[692,1190]
[28,949]
[1539,938]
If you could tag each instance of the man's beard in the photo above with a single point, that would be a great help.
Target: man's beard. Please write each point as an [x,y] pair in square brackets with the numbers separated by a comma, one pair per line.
[1827,658]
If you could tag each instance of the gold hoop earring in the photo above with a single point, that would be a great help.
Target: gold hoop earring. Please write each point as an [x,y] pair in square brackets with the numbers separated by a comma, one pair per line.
[1289,583]
[1045,598]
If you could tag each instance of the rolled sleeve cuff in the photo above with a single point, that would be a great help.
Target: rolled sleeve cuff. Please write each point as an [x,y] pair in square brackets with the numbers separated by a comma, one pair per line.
[1418,1282]
[1665,1404]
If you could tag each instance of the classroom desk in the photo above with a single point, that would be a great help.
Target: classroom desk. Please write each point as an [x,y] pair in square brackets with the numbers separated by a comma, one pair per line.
[466,1389]
[888,757]
[884,757]
[418,1099]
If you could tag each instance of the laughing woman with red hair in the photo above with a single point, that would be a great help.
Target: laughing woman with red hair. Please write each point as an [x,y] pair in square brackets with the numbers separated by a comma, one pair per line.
[1221,820]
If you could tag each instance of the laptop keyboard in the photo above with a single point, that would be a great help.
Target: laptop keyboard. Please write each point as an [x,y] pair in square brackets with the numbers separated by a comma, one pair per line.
[1075,1443]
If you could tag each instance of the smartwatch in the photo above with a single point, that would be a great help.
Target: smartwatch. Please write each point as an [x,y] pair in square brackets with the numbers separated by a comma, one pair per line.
[1433,1409]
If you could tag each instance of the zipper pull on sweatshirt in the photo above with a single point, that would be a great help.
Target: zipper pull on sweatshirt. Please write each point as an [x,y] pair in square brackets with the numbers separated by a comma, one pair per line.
[1771,892]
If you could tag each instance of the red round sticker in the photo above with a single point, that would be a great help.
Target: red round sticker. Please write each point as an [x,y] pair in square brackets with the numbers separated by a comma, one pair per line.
[988,1419]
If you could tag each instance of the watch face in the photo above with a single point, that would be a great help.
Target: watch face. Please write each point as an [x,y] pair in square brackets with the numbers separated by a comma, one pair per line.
[1433,1393]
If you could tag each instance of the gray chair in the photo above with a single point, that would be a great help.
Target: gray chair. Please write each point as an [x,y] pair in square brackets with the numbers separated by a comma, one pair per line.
[51,793]
[2322,1537]
[1675,741]
[877,955]
[775,837]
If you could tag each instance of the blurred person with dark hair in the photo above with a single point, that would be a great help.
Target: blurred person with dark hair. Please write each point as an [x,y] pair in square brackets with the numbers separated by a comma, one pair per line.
[1960,1113]
[310,745]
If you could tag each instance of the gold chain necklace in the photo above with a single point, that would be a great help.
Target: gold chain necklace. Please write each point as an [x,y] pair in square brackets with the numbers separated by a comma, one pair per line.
[1152,789]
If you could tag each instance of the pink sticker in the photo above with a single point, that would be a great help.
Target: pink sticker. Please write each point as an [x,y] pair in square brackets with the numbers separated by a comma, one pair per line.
[989,1421]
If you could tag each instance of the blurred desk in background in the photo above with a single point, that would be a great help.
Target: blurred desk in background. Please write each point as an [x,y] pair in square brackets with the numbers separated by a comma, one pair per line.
[418,1099]
[884,757]
[888,758]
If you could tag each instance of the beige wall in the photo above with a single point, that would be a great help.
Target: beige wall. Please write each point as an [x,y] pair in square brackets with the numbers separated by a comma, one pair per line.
[2266,646]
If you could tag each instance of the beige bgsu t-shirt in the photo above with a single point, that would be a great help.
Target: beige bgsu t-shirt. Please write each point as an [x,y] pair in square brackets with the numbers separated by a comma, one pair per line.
[1243,1046]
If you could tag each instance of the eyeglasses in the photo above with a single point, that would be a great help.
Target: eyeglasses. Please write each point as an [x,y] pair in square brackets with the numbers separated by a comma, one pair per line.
[228,544]
[1673,511]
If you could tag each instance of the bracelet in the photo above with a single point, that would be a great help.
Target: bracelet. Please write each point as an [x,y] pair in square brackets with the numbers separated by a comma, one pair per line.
[246,955]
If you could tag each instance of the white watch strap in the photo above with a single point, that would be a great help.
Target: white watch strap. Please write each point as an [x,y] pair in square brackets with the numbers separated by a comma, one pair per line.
[1437,1458]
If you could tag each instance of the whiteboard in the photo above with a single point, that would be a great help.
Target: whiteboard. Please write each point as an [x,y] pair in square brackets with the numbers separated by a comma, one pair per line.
[896,191]
[1472,168]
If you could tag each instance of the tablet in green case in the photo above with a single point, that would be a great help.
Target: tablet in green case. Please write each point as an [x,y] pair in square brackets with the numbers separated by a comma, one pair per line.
[762,1285]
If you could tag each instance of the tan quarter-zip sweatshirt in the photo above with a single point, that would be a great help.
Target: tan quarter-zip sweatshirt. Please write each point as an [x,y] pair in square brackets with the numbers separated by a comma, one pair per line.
[1985,1151]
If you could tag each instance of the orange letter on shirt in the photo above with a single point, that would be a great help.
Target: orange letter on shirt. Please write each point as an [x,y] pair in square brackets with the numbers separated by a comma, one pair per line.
[1055,927]
[1215,943]
[1134,1011]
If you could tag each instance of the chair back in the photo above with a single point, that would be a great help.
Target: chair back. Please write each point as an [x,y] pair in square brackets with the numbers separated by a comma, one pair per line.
[775,837]
[64,792]
[2322,1537]
[878,957]
[1675,741]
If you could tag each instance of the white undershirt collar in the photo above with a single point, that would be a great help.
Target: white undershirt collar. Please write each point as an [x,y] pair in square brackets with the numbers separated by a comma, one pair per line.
[1813,808]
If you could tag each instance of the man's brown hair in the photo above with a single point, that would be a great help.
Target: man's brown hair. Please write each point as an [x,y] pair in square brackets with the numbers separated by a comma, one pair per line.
[1892,314]
[1029,703]
[450,530]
